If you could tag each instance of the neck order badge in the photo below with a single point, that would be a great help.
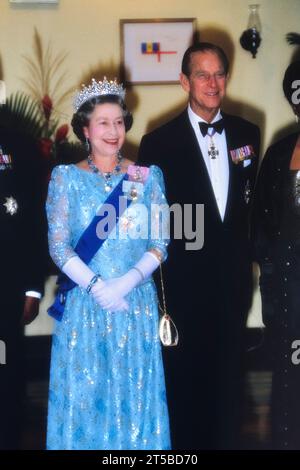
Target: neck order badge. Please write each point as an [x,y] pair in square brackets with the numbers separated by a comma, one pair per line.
[213,152]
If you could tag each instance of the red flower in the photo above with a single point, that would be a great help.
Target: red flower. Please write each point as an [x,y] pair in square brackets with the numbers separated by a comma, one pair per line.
[61,133]
[45,147]
[47,106]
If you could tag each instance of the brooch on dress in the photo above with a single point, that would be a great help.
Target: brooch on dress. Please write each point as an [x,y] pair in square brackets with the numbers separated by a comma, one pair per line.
[11,205]
[242,153]
[133,188]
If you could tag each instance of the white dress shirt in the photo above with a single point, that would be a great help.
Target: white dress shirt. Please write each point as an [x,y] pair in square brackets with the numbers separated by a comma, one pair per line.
[217,168]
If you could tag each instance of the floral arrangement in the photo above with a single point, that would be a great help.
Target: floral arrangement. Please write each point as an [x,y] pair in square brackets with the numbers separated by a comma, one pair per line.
[51,135]
[38,114]
[44,84]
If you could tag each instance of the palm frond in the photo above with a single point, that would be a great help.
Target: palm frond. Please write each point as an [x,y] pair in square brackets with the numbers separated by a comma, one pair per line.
[53,126]
[56,63]
[22,114]
[56,84]
[44,69]
[33,68]
[66,95]
[38,48]
[47,70]
[34,92]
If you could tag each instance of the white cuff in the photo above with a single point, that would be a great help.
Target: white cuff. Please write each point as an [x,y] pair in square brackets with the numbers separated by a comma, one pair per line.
[33,293]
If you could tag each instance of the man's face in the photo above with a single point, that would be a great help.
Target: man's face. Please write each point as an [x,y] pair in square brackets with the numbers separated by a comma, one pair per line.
[206,84]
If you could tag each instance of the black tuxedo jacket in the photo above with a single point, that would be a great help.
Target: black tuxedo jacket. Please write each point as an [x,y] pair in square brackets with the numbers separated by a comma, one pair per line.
[222,267]
[22,252]
[22,234]
[208,291]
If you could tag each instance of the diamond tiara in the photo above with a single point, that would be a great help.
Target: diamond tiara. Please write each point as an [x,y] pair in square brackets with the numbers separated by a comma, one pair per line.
[103,87]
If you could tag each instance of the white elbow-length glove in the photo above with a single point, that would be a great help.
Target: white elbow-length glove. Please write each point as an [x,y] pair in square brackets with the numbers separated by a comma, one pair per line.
[80,273]
[109,293]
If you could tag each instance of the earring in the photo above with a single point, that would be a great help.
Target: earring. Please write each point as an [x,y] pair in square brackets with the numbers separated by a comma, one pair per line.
[87,145]
[297,118]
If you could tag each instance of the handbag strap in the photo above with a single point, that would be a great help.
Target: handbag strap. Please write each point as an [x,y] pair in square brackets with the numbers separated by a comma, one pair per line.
[164,308]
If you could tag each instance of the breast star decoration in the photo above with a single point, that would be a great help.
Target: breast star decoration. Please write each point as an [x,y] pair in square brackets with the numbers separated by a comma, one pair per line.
[11,205]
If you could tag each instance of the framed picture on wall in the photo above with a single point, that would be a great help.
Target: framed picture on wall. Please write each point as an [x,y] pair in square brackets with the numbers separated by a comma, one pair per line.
[152,49]
[33,2]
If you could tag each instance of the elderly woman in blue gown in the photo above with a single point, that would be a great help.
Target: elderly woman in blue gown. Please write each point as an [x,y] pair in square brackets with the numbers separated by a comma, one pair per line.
[107,387]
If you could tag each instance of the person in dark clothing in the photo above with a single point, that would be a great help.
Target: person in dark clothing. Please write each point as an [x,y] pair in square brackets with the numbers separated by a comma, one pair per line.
[208,157]
[276,239]
[22,241]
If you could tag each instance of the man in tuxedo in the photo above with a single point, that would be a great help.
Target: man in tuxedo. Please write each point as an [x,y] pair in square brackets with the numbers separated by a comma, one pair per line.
[22,241]
[208,290]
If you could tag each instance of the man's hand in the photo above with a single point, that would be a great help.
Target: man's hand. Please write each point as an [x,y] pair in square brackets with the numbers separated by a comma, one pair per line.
[31,309]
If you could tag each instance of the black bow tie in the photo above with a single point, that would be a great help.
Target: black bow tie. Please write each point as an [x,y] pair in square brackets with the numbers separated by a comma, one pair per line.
[217,126]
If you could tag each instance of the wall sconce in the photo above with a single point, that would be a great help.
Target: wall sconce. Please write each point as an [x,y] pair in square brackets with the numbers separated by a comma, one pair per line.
[250,39]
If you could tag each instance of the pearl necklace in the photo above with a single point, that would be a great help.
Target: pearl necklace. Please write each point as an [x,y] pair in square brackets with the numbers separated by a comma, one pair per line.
[108,174]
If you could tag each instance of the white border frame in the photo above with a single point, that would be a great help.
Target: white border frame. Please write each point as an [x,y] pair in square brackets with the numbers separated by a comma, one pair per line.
[150,68]
[33,2]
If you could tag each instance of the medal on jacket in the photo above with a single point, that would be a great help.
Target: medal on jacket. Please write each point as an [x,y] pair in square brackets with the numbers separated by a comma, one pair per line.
[11,205]
[213,152]
[242,153]
[5,161]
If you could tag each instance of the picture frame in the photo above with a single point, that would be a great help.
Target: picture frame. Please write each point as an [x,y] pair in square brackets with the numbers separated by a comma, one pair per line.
[33,2]
[152,49]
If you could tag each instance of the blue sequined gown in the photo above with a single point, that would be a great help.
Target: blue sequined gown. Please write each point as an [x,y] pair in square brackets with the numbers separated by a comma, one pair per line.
[107,387]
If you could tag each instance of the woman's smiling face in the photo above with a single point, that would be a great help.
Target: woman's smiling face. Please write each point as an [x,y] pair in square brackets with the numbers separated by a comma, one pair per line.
[106,129]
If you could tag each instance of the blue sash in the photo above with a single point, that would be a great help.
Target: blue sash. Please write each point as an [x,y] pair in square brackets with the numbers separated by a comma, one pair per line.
[88,245]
